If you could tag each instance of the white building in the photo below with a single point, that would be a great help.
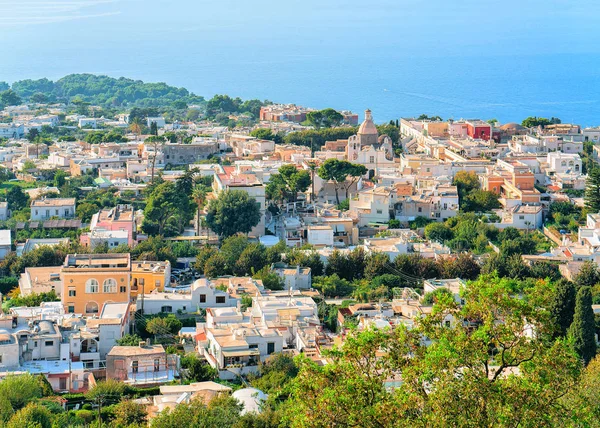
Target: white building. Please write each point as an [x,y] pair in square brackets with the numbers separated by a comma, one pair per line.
[44,209]
[295,278]
[160,121]
[201,295]
[88,122]
[3,211]
[5,243]
[563,163]
[11,130]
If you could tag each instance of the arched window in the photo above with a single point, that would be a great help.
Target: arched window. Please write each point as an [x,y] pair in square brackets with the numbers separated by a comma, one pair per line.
[91,286]
[91,308]
[110,286]
[563,163]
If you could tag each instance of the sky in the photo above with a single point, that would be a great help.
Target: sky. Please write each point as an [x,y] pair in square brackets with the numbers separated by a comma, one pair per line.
[309,27]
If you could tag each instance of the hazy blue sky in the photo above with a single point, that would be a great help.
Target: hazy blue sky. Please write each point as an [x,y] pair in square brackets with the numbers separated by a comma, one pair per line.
[415,27]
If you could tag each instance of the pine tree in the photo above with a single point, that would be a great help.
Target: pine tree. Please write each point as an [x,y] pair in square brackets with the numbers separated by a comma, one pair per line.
[562,306]
[592,190]
[583,327]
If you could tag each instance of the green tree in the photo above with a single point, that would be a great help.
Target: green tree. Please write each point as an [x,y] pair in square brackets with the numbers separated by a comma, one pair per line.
[223,214]
[128,413]
[252,259]
[287,183]
[438,232]
[223,411]
[154,128]
[129,340]
[333,286]
[215,266]
[583,328]
[16,198]
[343,173]
[327,118]
[266,134]
[32,416]
[592,190]
[10,98]
[462,377]
[86,210]
[6,410]
[562,306]
[270,280]
[168,210]
[376,264]
[588,275]
[480,201]
[106,390]
[196,369]
[20,389]
[533,121]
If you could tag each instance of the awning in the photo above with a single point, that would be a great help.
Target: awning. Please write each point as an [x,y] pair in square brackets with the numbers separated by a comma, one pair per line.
[241,353]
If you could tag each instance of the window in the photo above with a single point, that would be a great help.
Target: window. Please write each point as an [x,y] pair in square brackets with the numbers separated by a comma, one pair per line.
[35,344]
[220,299]
[253,346]
[203,298]
[71,309]
[91,308]
[123,289]
[134,366]
[166,309]
[420,209]
[371,159]
[141,281]
[72,292]
[156,364]
[157,283]
[49,343]
[521,217]
[92,286]
[110,286]
[270,348]
[379,211]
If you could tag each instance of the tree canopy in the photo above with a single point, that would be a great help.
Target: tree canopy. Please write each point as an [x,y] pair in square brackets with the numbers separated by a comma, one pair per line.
[232,212]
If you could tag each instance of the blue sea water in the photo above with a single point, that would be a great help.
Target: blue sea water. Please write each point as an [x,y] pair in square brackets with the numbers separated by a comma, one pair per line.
[466,59]
[508,87]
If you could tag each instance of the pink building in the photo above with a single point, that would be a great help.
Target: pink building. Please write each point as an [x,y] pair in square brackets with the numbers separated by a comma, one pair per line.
[120,218]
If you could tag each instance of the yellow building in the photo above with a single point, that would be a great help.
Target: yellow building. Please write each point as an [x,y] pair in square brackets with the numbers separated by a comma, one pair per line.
[91,280]
[147,276]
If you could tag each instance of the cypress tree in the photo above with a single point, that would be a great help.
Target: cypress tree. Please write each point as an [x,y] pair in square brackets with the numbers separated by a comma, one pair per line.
[583,327]
[592,190]
[562,306]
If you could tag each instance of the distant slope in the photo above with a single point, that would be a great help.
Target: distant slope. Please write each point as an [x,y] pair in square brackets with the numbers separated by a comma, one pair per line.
[105,91]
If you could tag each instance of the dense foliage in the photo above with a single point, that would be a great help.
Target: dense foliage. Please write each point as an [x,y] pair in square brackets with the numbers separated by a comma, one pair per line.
[104,90]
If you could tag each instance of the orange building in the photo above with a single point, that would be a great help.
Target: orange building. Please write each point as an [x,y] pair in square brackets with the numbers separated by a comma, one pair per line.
[91,280]
[147,276]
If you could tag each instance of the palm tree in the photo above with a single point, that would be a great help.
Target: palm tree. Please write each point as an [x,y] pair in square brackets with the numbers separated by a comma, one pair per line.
[312,165]
[199,195]
[136,127]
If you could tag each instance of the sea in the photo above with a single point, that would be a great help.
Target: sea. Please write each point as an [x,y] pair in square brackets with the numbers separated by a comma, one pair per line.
[392,84]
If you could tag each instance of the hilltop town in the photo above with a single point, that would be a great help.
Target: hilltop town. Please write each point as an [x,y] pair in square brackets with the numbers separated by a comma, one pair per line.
[166,259]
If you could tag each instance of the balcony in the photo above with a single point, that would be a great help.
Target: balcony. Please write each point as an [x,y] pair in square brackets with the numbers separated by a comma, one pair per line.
[89,356]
